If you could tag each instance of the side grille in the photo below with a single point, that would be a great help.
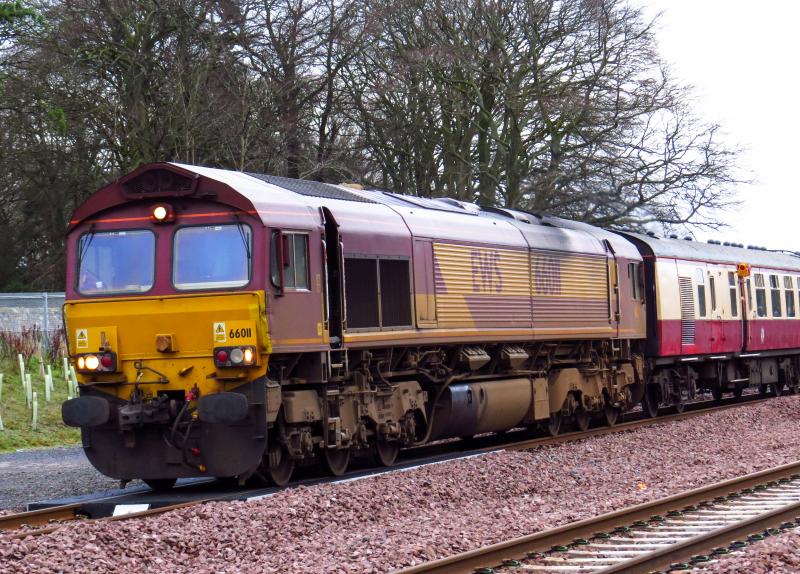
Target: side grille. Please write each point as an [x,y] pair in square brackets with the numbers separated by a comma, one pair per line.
[687,310]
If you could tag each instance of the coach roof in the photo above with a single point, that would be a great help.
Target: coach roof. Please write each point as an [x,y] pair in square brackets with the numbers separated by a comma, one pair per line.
[699,251]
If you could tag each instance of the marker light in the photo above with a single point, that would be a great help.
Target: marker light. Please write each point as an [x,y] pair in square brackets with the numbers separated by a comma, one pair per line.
[237,355]
[162,213]
[81,363]
[107,361]
[92,362]
[248,356]
[222,356]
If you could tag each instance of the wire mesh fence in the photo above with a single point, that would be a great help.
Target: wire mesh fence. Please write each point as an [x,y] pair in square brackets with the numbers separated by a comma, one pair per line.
[31,323]
[23,311]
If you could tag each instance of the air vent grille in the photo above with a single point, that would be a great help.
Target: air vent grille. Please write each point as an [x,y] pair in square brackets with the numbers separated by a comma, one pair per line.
[687,311]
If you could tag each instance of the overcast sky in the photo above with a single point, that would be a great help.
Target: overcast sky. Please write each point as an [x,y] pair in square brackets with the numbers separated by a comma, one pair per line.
[743,58]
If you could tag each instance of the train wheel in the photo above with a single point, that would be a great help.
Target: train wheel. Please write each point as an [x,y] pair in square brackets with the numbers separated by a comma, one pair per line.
[716,392]
[160,484]
[553,426]
[650,403]
[777,389]
[737,392]
[280,465]
[680,406]
[762,389]
[610,415]
[582,419]
[336,460]
[386,452]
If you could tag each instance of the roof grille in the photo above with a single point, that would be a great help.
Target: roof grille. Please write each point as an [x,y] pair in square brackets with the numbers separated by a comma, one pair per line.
[310,188]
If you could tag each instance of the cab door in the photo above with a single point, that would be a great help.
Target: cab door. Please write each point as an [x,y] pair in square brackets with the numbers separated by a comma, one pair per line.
[613,288]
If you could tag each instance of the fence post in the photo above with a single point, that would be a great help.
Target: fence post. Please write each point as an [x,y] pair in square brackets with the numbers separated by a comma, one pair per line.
[28,389]
[21,369]
[35,421]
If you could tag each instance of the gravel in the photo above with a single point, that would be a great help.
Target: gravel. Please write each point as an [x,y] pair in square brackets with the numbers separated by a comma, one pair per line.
[775,555]
[386,522]
[41,474]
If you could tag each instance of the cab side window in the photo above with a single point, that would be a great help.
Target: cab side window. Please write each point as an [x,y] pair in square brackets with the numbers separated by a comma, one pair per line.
[634,274]
[293,255]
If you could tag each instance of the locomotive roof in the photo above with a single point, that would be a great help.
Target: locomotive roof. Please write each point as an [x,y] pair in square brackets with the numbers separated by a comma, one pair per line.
[287,202]
[700,251]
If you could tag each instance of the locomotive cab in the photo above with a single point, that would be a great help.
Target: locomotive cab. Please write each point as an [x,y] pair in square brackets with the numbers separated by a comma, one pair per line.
[167,328]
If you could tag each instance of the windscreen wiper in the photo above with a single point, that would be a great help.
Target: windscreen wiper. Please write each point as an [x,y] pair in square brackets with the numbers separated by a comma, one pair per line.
[85,246]
[243,235]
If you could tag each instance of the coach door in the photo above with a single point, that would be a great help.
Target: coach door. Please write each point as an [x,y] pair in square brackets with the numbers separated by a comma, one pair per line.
[717,343]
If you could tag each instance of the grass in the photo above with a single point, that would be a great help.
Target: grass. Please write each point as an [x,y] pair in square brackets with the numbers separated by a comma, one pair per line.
[17,416]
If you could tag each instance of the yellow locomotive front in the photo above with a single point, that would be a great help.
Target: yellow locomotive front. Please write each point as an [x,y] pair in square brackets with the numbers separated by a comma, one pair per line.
[167,329]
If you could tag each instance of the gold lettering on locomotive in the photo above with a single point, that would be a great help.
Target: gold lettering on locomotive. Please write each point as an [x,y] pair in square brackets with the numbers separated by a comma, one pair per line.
[547,275]
[486,274]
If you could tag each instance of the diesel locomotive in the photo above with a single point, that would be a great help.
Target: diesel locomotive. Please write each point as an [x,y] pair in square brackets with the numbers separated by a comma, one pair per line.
[230,324]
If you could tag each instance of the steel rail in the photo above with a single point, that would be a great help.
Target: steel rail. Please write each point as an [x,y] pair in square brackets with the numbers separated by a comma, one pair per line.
[699,544]
[69,512]
[141,514]
[493,555]
[38,517]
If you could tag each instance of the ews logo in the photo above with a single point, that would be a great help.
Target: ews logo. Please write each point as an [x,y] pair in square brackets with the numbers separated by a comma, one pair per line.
[486,274]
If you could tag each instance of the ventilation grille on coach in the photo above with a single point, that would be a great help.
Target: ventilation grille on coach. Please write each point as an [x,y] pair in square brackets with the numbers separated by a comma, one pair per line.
[687,310]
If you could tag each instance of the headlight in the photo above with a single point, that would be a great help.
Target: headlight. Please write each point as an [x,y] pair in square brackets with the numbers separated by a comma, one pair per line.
[92,362]
[96,362]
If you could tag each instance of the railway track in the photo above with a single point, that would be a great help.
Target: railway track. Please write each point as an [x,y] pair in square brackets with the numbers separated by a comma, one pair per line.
[672,533]
[43,520]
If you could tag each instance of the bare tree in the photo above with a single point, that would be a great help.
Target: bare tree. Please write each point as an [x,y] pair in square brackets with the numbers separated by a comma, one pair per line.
[557,106]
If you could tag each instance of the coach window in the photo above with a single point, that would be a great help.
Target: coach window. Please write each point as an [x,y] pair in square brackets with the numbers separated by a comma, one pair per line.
[295,261]
[797,280]
[734,298]
[789,296]
[761,296]
[775,295]
[701,292]
[712,288]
